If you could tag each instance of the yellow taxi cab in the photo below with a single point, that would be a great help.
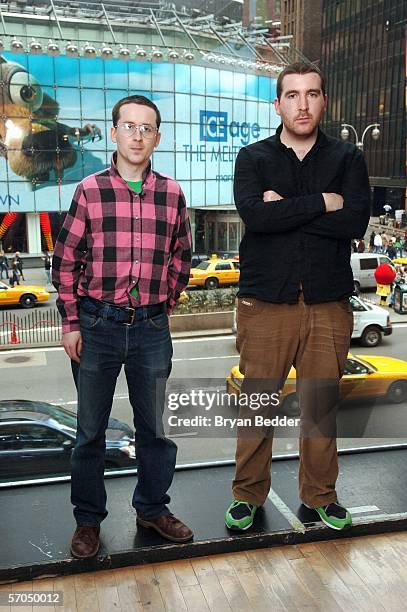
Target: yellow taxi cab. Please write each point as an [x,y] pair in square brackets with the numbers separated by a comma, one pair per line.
[215,272]
[365,376]
[25,295]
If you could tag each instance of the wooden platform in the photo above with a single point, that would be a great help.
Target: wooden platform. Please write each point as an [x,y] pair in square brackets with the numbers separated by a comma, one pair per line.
[38,524]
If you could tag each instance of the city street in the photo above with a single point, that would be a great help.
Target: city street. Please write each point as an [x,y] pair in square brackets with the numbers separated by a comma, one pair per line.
[44,374]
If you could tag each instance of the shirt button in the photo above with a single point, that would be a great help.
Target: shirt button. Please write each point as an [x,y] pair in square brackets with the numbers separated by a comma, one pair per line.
[136,260]
[137,218]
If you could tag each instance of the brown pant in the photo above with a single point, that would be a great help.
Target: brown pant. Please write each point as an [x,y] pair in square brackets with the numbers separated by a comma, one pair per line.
[315,340]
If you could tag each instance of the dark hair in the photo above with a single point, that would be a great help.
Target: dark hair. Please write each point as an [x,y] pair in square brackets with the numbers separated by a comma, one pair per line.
[142,100]
[299,68]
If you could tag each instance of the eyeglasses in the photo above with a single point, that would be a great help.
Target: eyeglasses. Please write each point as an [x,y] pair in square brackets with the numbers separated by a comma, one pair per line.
[145,129]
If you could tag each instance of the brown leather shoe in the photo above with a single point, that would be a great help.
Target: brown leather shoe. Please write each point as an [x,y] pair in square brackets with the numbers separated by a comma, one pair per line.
[169,527]
[85,542]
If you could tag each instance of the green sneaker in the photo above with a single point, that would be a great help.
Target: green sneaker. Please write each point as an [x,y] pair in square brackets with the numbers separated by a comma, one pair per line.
[240,515]
[334,516]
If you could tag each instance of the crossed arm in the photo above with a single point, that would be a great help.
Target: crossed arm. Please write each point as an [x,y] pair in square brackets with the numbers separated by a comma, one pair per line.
[333,201]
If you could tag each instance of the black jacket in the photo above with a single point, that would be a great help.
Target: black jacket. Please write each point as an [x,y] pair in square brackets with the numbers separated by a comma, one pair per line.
[294,241]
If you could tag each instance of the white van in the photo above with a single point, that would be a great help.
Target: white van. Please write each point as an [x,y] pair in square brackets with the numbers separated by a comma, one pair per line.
[370,322]
[363,266]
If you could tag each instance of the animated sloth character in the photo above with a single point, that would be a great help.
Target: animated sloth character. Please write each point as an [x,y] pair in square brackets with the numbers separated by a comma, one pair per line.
[32,140]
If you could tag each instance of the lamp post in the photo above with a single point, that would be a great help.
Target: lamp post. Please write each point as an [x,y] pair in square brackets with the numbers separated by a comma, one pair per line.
[359,143]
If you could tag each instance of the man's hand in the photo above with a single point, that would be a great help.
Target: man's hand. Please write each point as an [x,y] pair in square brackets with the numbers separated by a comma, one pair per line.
[333,202]
[271,196]
[72,343]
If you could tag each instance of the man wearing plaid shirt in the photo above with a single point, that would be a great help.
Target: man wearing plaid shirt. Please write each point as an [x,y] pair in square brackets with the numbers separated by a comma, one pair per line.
[120,263]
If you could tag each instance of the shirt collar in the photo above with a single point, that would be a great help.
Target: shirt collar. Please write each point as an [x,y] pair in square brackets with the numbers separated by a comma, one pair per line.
[320,141]
[147,176]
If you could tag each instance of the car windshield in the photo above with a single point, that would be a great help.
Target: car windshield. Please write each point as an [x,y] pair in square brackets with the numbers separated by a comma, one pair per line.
[367,364]
[204,265]
[53,414]
[64,417]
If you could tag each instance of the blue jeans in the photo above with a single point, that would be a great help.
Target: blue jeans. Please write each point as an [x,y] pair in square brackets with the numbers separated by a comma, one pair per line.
[145,350]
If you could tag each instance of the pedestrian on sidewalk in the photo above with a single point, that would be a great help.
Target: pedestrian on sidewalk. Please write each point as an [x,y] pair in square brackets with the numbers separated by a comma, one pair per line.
[20,264]
[120,263]
[47,267]
[385,242]
[3,265]
[391,250]
[399,246]
[378,243]
[14,272]
[361,246]
[371,241]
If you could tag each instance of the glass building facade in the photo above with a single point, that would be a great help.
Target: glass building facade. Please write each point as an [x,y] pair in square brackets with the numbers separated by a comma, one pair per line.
[56,121]
[363,57]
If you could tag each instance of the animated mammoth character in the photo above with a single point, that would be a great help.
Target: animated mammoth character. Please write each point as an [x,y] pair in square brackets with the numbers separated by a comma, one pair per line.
[32,139]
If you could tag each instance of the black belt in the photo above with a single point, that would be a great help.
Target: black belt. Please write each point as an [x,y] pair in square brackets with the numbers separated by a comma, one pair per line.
[125,315]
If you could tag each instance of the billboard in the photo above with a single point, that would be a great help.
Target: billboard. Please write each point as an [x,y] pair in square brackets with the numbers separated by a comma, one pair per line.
[55,119]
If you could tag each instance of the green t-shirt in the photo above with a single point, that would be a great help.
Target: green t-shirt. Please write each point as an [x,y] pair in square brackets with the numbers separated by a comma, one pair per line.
[135,186]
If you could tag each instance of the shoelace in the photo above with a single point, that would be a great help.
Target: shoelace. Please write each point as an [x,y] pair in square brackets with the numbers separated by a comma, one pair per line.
[336,509]
[239,503]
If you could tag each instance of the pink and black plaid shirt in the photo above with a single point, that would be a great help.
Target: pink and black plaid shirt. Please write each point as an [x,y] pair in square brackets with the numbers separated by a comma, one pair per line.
[113,239]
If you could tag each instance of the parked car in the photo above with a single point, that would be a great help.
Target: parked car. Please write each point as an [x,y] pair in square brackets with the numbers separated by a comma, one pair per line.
[363,266]
[25,295]
[364,377]
[215,272]
[370,322]
[37,438]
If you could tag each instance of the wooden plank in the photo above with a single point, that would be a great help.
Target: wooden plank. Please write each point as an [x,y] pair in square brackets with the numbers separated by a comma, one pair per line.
[194,598]
[106,591]
[210,585]
[147,584]
[44,584]
[272,583]
[365,568]
[395,586]
[66,584]
[18,587]
[329,577]
[235,594]
[297,593]
[244,565]
[257,594]
[86,595]
[127,589]
[241,561]
[348,573]
[311,580]
[5,589]
[292,552]
[184,573]
[169,587]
